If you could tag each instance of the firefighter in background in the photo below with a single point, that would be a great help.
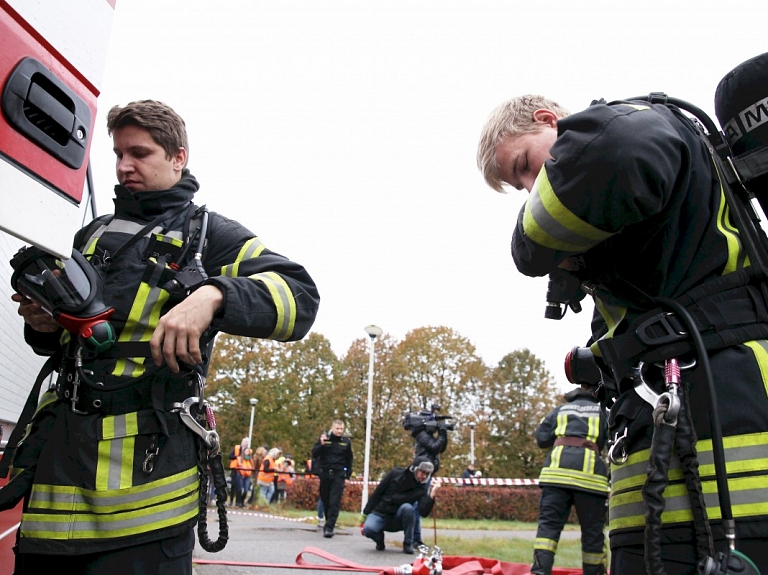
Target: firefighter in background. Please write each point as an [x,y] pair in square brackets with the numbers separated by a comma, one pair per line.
[113,470]
[626,196]
[574,475]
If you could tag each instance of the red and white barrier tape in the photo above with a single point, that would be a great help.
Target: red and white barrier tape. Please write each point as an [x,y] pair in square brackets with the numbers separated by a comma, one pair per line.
[492,481]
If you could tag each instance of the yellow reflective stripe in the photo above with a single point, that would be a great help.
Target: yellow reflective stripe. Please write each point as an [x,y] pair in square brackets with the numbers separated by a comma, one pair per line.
[114,466]
[70,498]
[544,544]
[612,316]
[593,428]
[743,454]
[638,107]
[749,497]
[562,424]
[139,326]
[549,223]
[251,249]
[285,304]
[760,349]
[572,477]
[730,233]
[593,558]
[93,526]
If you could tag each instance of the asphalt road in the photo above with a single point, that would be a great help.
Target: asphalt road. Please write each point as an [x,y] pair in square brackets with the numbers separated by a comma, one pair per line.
[274,543]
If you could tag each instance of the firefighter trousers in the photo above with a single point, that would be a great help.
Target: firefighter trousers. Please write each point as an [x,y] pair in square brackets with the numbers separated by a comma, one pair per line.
[554,509]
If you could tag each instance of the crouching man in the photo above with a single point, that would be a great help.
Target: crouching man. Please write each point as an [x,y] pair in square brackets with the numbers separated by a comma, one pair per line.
[391,507]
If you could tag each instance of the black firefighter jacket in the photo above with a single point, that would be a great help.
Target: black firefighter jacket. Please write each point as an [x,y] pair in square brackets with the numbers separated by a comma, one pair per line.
[575,466]
[399,486]
[632,192]
[125,471]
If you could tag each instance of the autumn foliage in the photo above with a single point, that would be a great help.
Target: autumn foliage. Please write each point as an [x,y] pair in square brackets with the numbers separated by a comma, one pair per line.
[300,387]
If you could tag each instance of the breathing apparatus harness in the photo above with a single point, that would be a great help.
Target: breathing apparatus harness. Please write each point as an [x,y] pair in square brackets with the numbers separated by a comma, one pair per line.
[674,328]
[71,291]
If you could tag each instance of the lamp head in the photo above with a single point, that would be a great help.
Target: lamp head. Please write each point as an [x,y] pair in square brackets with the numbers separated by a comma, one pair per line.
[373,331]
[254,401]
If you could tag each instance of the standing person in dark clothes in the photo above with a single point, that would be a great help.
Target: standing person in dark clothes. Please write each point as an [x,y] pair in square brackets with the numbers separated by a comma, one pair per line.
[334,456]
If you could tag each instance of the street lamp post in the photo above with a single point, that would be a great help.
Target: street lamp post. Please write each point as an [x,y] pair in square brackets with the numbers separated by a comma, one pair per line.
[253,401]
[472,442]
[373,332]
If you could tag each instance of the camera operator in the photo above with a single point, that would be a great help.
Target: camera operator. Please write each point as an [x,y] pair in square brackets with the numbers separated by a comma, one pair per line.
[431,436]
[628,196]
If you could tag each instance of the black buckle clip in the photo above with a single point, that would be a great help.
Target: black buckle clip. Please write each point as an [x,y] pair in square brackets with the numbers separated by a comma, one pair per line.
[661,329]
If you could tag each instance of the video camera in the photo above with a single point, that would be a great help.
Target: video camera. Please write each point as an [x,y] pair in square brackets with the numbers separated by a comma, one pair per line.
[430,421]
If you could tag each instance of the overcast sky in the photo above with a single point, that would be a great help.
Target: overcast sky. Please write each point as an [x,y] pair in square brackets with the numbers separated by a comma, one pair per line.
[344,133]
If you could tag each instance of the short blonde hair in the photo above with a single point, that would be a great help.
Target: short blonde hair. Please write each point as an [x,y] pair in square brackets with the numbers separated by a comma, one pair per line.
[510,119]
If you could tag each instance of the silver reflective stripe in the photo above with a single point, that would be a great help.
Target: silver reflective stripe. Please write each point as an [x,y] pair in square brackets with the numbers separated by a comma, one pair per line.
[77,499]
[285,305]
[743,453]
[749,497]
[92,526]
[549,223]
[251,249]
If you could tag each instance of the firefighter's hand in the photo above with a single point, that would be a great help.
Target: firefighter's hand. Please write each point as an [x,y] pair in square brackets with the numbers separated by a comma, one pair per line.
[433,488]
[177,336]
[34,315]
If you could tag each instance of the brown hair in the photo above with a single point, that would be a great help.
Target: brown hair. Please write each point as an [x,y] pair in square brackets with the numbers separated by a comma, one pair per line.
[165,126]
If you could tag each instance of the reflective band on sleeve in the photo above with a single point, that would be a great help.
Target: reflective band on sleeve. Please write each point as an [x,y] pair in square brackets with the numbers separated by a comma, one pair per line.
[284,304]
[549,223]
[251,249]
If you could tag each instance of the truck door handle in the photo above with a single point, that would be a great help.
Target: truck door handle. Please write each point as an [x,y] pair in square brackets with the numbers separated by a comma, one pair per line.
[47,112]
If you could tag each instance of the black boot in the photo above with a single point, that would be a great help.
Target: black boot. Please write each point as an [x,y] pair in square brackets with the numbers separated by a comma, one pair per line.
[543,562]
[598,569]
[327,531]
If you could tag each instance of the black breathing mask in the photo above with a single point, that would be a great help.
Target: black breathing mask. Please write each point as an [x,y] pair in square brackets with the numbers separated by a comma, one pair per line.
[71,290]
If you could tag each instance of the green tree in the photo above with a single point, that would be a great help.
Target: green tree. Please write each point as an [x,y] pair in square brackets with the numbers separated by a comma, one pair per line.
[385,422]
[294,384]
[520,393]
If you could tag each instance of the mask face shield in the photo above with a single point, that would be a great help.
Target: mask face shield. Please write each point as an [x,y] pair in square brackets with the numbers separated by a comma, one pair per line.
[70,290]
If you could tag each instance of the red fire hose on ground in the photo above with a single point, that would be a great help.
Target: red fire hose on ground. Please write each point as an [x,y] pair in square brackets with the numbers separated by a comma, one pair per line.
[433,564]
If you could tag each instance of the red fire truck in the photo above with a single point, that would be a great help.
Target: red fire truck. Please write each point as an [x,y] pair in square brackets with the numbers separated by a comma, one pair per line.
[52,59]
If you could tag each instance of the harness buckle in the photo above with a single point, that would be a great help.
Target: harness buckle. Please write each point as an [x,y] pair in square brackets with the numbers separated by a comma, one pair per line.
[660,329]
